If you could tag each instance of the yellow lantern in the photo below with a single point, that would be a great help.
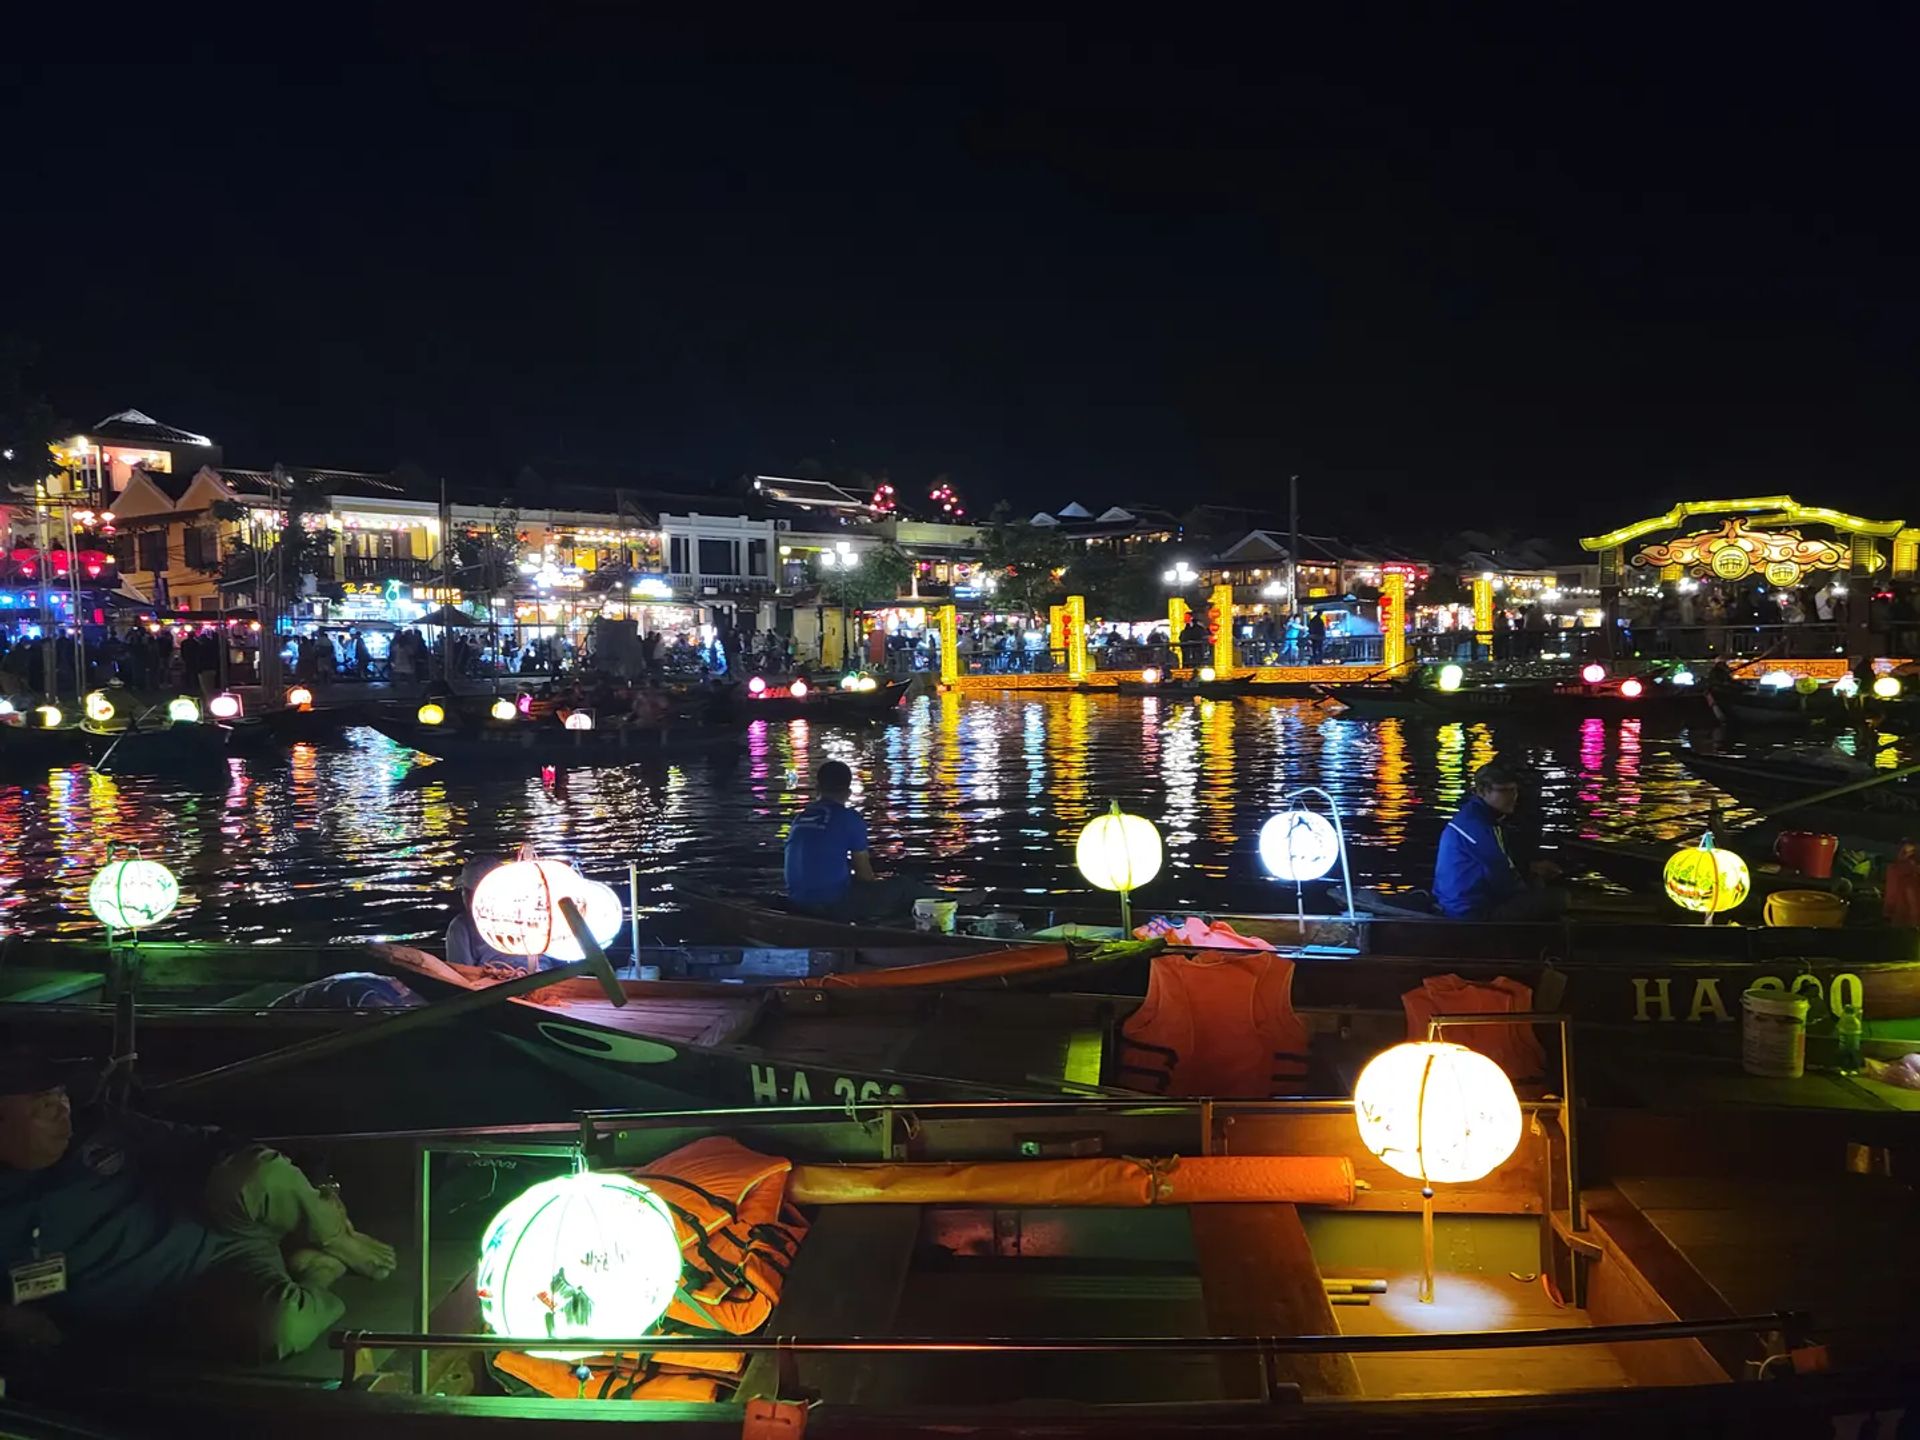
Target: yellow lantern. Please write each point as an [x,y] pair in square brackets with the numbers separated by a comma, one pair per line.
[1150,676]
[504,709]
[590,1254]
[183,710]
[579,720]
[1119,852]
[1885,687]
[300,698]
[1450,678]
[850,682]
[99,707]
[1436,1111]
[430,714]
[867,684]
[50,716]
[1208,675]
[1706,880]
[1806,685]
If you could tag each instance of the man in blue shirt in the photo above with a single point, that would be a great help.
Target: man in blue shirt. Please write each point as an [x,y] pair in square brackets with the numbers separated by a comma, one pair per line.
[115,1227]
[829,867]
[1474,878]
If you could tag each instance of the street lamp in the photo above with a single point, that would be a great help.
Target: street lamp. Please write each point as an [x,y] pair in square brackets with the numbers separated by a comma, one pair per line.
[1181,575]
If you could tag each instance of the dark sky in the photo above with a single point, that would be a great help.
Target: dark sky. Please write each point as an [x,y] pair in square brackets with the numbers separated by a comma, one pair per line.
[1545,276]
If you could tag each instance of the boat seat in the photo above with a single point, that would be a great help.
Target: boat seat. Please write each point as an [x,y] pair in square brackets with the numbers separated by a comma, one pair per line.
[1258,1277]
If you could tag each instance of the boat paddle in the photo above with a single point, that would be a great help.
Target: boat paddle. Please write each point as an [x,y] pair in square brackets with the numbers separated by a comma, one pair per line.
[1820,797]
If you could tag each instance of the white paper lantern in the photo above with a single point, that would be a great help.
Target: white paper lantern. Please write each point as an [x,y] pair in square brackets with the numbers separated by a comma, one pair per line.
[516,909]
[589,1255]
[183,710]
[131,894]
[1150,676]
[504,709]
[1118,851]
[224,706]
[579,720]
[1437,1112]
[1299,845]
[1450,677]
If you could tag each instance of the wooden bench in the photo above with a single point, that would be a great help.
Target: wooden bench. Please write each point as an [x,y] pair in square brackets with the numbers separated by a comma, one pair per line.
[1258,1277]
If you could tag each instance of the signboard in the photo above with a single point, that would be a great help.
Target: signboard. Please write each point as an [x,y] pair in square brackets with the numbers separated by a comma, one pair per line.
[1736,551]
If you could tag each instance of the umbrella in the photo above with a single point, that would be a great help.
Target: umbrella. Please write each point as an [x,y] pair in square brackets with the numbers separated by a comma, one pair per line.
[449,618]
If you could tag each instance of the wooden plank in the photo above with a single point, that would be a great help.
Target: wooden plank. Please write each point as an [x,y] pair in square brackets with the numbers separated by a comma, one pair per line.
[1258,1277]
[1639,1279]
[39,987]
[847,1279]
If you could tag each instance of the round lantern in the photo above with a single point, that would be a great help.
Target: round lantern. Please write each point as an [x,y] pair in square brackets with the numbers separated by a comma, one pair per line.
[182,710]
[756,686]
[1632,689]
[516,909]
[1806,685]
[129,894]
[300,697]
[1450,677]
[1682,677]
[1118,851]
[1776,680]
[798,689]
[1846,687]
[50,716]
[1594,674]
[867,684]
[1706,880]
[523,702]
[6,706]
[579,720]
[1207,675]
[224,706]
[1436,1111]
[430,714]
[590,1254]
[1150,676]
[850,682]
[1299,845]
[1886,688]
[504,709]
[99,707]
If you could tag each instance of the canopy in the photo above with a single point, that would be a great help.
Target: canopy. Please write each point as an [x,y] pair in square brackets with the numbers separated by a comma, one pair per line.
[448,618]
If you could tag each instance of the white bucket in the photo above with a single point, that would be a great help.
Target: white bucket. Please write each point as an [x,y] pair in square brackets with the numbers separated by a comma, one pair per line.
[935,915]
[1773,1034]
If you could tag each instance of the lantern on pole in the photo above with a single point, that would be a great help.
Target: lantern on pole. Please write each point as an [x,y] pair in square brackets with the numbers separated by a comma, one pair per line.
[1299,845]
[590,1254]
[1886,687]
[1120,852]
[1449,678]
[132,893]
[1436,1111]
[1706,880]
[504,709]
[224,706]
[516,908]
[579,720]
[99,707]
[430,714]
[183,710]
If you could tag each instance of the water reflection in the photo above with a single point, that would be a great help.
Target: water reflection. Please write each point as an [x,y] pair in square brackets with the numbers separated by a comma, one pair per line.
[356,840]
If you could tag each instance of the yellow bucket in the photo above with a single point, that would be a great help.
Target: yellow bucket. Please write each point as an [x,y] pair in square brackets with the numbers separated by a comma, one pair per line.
[1813,908]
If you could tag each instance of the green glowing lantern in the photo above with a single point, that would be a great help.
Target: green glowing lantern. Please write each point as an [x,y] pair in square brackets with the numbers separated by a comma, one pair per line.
[592,1254]
[183,711]
[131,894]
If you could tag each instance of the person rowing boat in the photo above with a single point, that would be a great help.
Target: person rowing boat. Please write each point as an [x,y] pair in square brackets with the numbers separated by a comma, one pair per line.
[829,865]
[1474,875]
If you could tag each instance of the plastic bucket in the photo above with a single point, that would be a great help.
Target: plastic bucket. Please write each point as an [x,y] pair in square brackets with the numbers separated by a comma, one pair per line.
[935,915]
[1773,1034]
[1813,908]
[1808,853]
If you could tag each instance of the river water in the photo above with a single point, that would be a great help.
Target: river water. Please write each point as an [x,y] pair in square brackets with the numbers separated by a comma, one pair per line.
[363,839]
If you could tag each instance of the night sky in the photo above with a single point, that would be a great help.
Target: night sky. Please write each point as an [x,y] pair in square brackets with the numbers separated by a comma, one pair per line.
[1543,277]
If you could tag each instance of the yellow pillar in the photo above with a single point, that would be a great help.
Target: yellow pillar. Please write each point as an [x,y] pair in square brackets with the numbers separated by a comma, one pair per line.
[1221,606]
[1393,620]
[1177,616]
[1483,616]
[949,644]
[1076,637]
[1056,628]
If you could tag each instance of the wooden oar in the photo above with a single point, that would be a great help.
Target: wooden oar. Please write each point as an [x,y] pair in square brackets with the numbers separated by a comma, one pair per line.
[1820,797]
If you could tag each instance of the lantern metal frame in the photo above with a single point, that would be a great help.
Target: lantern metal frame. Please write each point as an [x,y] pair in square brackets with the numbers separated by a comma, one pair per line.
[1292,801]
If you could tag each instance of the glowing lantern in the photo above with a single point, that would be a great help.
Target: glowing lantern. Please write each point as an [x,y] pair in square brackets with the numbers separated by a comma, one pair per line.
[579,720]
[430,714]
[181,710]
[756,686]
[1450,677]
[1682,677]
[1119,852]
[1435,1111]
[589,1254]
[1207,675]
[516,909]
[1886,688]
[1299,845]
[850,682]
[6,706]
[224,706]
[504,709]
[1150,676]
[300,698]
[1706,880]
[99,708]
[1846,687]
[1776,680]
[1806,685]
[523,702]
[798,689]
[1632,689]
[1594,674]
[867,684]
[50,716]
[128,894]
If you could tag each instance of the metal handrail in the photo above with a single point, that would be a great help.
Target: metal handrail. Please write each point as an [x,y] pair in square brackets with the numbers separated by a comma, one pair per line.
[1789,1322]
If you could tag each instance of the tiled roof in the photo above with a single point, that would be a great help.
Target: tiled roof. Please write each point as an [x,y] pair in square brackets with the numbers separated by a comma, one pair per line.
[137,427]
[340,482]
[813,494]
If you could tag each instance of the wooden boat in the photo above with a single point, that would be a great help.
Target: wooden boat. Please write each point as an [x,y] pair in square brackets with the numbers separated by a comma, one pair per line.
[1178,687]
[1776,707]
[1889,810]
[314,724]
[175,748]
[28,746]
[963,1299]
[823,701]
[1659,697]
[527,745]
[1640,866]
[1384,699]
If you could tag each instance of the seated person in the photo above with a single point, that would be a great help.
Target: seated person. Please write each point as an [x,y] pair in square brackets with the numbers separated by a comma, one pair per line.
[113,1225]
[1474,878]
[829,867]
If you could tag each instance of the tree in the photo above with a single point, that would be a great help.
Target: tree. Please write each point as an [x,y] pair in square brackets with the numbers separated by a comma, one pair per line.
[877,580]
[484,560]
[1121,586]
[29,429]
[1024,560]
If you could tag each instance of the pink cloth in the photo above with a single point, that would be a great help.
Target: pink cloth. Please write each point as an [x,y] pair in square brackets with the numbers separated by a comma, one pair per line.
[1200,935]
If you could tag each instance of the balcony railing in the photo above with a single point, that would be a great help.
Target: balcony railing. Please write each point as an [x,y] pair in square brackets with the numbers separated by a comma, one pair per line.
[387,567]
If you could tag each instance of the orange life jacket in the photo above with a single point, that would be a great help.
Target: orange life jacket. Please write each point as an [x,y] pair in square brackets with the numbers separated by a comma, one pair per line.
[1514,1048]
[737,1235]
[1218,1024]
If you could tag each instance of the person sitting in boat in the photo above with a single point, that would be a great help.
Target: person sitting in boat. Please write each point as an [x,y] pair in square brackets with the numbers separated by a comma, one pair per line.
[829,865]
[1474,876]
[114,1226]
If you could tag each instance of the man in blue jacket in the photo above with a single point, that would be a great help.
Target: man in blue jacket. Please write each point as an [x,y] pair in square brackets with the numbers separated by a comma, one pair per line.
[829,865]
[1474,878]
